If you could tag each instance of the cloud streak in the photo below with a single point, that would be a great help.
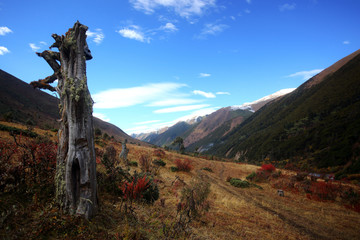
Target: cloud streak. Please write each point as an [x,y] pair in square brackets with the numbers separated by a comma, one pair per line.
[181,108]
[183,8]
[287,7]
[34,47]
[173,102]
[212,29]
[101,116]
[306,74]
[169,27]
[126,97]
[133,32]
[223,93]
[97,36]
[204,94]
[3,50]
[202,75]
[5,30]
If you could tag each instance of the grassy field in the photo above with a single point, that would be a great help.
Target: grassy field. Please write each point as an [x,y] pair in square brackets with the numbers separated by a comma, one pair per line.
[234,213]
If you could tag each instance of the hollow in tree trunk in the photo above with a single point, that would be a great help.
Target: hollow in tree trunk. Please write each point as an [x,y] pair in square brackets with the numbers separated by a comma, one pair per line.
[75,179]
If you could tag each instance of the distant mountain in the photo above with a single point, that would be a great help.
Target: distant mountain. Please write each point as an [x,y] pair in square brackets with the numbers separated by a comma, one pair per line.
[22,103]
[315,126]
[197,131]
[256,105]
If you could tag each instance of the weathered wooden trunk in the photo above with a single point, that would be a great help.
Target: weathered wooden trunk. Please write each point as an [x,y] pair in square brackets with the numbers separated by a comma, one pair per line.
[76,186]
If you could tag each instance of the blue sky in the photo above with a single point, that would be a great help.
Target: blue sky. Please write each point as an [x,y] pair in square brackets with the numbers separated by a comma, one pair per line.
[156,61]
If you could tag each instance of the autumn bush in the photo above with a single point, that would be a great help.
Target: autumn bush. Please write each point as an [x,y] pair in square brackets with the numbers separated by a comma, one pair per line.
[27,164]
[114,174]
[268,168]
[263,173]
[183,165]
[145,163]
[159,153]
[140,188]
[324,190]
[192,206]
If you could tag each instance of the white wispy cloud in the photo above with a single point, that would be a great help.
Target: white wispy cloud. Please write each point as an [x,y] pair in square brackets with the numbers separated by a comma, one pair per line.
[151,126]
[346,42]
[247,11]
[173,102]
[101,116]
[181,108]
[34,47]
[248,1]
[212,29]
[202,75]
[140,129]
[5,30]
[287,7]
[3,50]
[306,74]
[169,27]
[184,8]
[134,32]
[147,122]
[204,94]
[125,97]
[223,93]
[97,36]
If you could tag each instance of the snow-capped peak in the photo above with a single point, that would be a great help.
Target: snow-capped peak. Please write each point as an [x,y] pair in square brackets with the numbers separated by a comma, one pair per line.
[247,106]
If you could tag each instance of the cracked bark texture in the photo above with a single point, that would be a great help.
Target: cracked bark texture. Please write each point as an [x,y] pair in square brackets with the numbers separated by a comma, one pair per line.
[75,179]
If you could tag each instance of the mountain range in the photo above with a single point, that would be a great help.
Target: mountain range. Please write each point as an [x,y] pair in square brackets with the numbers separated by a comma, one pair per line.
[316,126]
[198,132]
[20,102]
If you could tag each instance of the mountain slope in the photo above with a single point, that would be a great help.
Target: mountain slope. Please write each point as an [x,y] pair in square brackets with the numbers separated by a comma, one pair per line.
[22,103]
[316,126]
[167,137]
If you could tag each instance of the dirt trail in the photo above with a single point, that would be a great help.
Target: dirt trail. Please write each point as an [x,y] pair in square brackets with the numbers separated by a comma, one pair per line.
[287,217]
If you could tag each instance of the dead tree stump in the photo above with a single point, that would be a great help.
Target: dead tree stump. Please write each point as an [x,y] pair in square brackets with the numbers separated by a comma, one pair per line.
[76,186]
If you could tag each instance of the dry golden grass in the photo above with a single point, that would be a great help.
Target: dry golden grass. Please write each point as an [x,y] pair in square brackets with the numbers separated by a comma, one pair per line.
[257,214]
[235,213]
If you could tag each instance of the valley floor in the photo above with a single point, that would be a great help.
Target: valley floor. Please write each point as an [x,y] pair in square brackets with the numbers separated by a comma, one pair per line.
[235,213]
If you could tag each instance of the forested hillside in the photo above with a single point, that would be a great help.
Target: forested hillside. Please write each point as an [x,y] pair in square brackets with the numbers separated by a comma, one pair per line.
[316,126]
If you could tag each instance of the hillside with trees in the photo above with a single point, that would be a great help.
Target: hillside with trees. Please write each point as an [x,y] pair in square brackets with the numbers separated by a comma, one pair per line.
[315,127]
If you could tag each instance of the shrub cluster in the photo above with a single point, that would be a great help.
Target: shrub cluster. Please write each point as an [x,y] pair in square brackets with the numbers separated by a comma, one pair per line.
[236,182]
[267,168]
[183,165]
[207,169]
[27,165]
[159,162]
[159,153]
[145,162]
[140,188]
[109,181]
[320,190]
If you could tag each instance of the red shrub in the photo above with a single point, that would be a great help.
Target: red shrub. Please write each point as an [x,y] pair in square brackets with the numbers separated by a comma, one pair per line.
[324,191]
[159,153]
[145,162]
[268,168]
[184,165]
[133,190]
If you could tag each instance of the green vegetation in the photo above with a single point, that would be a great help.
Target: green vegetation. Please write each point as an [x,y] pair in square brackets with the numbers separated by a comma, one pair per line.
[313,128]
[159,162]
[18,131]
[239,183]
